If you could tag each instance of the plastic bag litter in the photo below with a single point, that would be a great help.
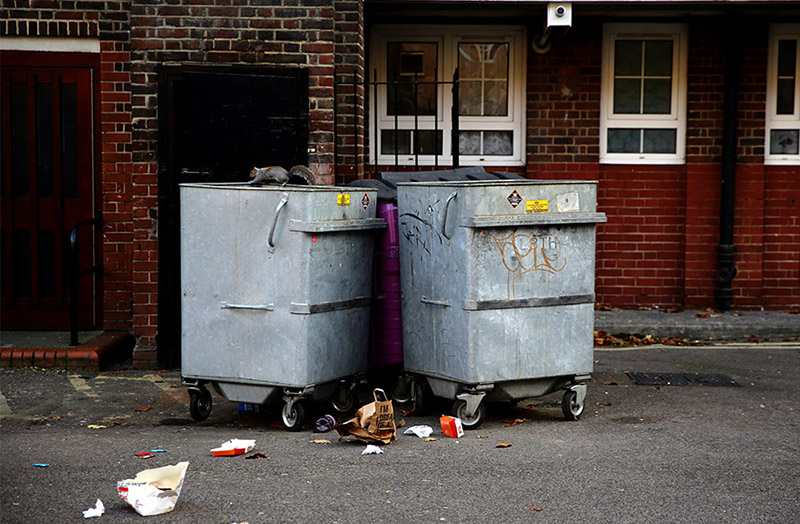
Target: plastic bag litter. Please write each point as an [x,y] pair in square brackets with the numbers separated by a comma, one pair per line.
[422,431]
[96,511]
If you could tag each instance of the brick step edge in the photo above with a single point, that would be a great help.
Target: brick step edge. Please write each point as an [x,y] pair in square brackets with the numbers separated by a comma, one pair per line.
[91,355]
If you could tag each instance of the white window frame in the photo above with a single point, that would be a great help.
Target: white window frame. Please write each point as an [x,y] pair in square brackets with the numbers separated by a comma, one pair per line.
[676,119]
[773,119]
[448,38]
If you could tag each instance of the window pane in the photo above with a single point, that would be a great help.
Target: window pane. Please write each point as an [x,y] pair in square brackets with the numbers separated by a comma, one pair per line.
[469,142]
[402,146]
[498,142]
[44,140]
[657,97]
[785,96]
[658,58]
[628,57]
[627,96]
[784,142]
[483,68]
[408,61]
[623,140]
[470,98]
[787,56]
[659,141]
[424,142]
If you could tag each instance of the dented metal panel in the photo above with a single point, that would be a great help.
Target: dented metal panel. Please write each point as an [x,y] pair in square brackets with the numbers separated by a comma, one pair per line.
[275,284]
[498,281]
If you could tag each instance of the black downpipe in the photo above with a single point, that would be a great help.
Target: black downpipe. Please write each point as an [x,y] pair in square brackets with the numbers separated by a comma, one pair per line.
[726,250]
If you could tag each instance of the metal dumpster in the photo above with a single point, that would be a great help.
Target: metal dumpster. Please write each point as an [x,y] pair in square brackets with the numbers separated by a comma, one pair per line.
[275,293]
[498,290]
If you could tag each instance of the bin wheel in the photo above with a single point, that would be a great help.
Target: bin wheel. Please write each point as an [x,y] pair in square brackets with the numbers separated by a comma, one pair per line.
[420,396]
[293,416]
[401,391]
[570,406]
[343,399]
[199,404]
[460,411]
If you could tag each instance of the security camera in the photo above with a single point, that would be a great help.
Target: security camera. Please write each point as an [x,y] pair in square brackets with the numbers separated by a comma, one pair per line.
[559,14]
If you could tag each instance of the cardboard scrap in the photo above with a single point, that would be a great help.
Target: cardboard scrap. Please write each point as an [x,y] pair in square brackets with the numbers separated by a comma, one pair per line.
[234,447]
[154,491]
[373,423]
[451,426]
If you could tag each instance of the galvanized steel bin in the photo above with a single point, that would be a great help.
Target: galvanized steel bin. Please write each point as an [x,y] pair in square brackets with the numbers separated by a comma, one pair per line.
[498,289]
[276,288]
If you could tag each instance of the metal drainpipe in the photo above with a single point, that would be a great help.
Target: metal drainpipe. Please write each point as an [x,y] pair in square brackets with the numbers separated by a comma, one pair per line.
[726,250]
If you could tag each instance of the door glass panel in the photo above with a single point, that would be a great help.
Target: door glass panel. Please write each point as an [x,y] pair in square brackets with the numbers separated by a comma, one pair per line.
[69,139]
[19,139]
[44,140]
[407,62]
[46,271]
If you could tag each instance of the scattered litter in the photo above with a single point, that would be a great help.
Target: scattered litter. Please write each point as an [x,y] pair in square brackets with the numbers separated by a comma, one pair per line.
[154,491]
[482,436]
[145,455]
[256,456]
[158,451]
[324,424]
[503,445]
[41,465]
[321,441]
[246,408]
[142,410]
[96,426]
[233,447]
[430,439]
[371,449]
[373,423]
[96,511]
[514,422]
[421,431]
[534,508]
[451,426]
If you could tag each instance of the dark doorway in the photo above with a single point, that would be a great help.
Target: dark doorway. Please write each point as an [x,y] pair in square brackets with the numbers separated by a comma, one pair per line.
[215,125]
[48,159]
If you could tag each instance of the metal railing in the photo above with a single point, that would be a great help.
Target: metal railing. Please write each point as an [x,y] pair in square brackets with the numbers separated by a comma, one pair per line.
[370,94]
[76,273]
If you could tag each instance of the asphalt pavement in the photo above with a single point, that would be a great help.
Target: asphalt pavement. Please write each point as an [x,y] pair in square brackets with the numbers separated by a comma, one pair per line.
[639,453]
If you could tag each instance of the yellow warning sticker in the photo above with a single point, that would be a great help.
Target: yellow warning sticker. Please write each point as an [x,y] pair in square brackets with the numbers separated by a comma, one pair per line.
[536,206]
[343,199]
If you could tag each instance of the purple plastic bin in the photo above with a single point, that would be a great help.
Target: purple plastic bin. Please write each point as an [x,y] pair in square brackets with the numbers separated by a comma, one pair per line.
[387,339]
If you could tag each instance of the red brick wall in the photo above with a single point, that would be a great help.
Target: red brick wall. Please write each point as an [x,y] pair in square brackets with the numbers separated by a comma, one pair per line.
[107,22]
[659,245]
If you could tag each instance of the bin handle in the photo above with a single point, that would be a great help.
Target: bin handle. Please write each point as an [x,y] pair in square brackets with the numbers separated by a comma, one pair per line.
[278,209]
[446,208]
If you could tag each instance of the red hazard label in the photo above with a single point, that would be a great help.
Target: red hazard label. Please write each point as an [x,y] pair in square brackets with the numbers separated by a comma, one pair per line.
[365,201]
[514,199]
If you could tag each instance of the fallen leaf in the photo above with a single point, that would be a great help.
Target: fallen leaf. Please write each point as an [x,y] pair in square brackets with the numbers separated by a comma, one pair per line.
[256,456]
[142,410]
[514,422]
[96,426]
[321,441]
[534,508]
[482,436]
[503,445]
[702,315]
[752,339]
[794,311]
[612,383]
[429,439]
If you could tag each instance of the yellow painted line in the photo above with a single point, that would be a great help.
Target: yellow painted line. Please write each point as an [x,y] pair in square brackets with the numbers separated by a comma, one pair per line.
[161,382]
[5,409]
[81,386]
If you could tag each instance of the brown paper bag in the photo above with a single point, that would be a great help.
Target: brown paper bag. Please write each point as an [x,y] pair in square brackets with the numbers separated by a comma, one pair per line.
[373,423]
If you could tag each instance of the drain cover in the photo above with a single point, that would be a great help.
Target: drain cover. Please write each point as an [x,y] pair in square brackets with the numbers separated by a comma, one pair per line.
[680,379]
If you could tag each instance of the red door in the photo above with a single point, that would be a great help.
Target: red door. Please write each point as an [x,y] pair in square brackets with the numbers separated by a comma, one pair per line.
[47,186]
